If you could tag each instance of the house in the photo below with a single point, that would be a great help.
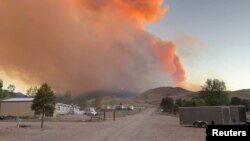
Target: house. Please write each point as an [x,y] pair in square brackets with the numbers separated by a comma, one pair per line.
[61,109]
[16,107]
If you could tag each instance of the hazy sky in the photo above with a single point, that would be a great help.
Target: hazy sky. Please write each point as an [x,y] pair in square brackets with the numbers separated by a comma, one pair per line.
[219,31]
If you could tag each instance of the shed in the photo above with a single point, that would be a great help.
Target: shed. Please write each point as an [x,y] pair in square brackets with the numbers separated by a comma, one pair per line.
[16,107]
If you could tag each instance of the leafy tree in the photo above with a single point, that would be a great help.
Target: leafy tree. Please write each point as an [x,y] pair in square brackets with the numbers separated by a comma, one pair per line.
[2,94]
[167,104]
[44,101]
[214,93]
[175,109]
[68,98]
[97,103]
[31,91]
[235,101]
[198,101]
[83,103]
[239,101]
[1,86]
[246,103]
[179,102]
[11,88]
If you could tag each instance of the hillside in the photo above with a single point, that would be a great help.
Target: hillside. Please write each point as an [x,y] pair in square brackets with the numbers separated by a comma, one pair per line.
[154,96]
[8,95]
[244,94]
[114,96]
[150,97]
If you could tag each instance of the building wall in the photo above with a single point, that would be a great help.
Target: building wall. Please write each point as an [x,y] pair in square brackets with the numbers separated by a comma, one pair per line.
[16,108]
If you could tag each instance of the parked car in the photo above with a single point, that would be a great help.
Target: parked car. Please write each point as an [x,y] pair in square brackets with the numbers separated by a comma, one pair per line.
[90,112]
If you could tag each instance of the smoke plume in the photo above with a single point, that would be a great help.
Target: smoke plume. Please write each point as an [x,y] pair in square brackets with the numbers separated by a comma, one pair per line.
[84,45]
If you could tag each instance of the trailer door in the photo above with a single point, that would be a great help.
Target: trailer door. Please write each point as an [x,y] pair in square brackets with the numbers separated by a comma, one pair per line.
[242,114]
[226,115]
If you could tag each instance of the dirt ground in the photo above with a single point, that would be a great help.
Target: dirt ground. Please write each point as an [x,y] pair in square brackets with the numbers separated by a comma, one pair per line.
[144,126]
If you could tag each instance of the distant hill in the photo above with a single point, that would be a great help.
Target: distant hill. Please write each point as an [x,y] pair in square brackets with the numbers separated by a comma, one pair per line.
[149,97]
[16,95]
[244,94]
[117,94]
[20,95]
[154,96]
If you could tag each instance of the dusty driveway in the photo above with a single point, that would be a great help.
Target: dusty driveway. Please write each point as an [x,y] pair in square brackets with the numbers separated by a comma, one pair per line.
[145,126]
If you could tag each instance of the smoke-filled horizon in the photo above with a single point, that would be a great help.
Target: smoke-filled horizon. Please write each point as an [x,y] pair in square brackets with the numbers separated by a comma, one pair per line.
[86,45]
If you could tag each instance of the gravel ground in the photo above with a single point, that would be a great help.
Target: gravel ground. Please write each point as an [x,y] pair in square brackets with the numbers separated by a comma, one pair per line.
[145,126]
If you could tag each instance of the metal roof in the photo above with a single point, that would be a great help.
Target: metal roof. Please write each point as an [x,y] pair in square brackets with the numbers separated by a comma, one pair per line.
[18,100]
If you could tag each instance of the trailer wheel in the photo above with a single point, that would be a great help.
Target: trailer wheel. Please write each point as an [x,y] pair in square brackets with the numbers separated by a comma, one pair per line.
[203,125]
[196,124]
[2,117]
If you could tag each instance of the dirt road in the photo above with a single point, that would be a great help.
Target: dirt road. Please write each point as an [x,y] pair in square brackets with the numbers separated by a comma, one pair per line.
[145,126]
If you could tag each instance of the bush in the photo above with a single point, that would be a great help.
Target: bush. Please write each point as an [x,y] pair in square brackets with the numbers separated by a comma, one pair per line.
[167,104]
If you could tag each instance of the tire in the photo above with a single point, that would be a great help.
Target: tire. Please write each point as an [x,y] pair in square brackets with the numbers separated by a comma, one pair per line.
[2,117]
[196,125]
[203,125]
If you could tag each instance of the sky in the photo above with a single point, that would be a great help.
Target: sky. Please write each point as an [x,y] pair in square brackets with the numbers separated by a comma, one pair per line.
[190,42]
[221,39]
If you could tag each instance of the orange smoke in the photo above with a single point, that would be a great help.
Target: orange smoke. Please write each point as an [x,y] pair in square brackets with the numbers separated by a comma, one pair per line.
[138,10]
[84,45]
[165,51]
[142,11]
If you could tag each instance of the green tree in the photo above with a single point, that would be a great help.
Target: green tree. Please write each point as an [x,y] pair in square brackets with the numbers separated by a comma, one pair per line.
[11,90]
[68,98]
[175,109]
[246,103]
[2,94]
[214,93]
[167,104]
[235,101]
[31,91]
[197,101]
[97,103]
[179,102]
[184,103]
[83,103]
[44,101]
[189,103]
[1,86]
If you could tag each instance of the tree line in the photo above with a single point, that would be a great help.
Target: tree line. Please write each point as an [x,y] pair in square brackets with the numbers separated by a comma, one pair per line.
[8,93]
[213,93]
[32,91]
[45,99]
[68,99]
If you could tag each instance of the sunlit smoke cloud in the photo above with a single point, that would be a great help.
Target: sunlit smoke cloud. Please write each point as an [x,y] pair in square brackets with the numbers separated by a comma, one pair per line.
[84,45]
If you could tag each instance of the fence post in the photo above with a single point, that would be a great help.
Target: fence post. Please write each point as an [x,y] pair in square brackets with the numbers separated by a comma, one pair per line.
[114,115]
[104,115]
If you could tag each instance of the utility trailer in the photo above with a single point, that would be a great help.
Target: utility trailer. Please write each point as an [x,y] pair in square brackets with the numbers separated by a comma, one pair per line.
[217,115]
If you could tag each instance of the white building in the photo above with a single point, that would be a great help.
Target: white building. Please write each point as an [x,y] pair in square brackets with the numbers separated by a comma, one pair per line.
[62,109]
